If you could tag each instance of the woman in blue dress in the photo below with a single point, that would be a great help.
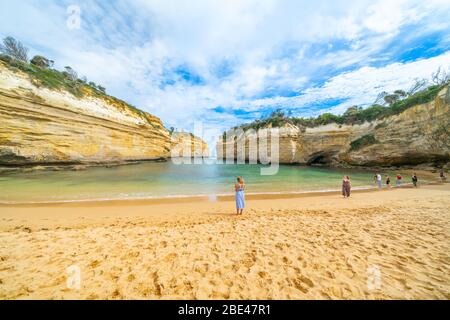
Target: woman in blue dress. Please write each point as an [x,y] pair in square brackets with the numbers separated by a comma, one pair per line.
[240,198]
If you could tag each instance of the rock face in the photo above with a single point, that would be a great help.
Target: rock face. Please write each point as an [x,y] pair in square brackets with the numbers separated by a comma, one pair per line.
[419,135]
[187,145]
[39,125]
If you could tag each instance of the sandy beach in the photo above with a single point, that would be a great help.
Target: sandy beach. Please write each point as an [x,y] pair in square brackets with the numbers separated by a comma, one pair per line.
[390,244]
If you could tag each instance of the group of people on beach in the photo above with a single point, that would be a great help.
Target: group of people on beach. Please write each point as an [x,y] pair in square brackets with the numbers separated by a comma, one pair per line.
[398,178]
[346,185]
[239,187]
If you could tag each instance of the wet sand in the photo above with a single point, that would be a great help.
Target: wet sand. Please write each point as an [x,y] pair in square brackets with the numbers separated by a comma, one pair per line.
[390,244]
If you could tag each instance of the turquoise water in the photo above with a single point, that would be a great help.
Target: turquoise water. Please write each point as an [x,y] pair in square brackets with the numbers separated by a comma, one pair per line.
[165,179]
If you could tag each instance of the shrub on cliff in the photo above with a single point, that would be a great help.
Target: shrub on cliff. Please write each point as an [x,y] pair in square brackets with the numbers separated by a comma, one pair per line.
[420,97]
[326,118]
[46,77]
[42,62]
[6,58]
[363,141]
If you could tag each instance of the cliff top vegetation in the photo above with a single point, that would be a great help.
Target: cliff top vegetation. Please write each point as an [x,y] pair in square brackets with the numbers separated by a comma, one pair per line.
[14,56]
[387,104]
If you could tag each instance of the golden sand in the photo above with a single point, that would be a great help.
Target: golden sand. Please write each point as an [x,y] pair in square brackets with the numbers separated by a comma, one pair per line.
[376,245]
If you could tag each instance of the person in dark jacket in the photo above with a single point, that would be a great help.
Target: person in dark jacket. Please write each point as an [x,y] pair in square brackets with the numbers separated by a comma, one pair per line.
[414,180]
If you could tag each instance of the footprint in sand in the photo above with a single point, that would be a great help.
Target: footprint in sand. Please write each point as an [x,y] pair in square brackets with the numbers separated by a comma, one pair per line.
[157,285]
[262,274]
[286,260]
[307,281]
[303,284]
[163,244]
[94,264]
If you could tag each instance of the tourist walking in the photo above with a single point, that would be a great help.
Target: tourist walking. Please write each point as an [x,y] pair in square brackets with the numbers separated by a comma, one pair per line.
[388,182]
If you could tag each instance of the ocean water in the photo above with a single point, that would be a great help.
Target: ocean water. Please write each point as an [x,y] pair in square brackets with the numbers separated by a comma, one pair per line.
[166,179]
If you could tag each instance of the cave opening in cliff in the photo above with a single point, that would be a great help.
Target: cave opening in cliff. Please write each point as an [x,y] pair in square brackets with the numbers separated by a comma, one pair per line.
[320,159]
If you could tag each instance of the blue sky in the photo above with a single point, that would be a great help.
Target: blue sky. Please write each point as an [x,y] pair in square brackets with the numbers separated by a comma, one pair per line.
[229,62]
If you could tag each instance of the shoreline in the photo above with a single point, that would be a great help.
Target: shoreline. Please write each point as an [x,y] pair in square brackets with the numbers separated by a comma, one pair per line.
[202,197]
[187,198]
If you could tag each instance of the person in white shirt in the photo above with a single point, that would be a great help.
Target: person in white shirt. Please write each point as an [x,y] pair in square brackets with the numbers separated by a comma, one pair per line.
[379,180]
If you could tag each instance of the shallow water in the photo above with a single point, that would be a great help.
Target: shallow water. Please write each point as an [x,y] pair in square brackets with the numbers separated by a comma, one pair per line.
[166,179]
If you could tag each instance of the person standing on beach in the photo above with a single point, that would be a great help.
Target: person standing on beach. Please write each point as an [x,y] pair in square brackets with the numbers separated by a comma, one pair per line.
[414,180]
[240,198]
[388,182]
[398,180]
[379,180]
[346,187]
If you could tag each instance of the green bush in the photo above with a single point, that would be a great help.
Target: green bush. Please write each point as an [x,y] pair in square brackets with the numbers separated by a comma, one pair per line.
[42,62]
[363,141]
[49,78]
[420,97]
[6,58]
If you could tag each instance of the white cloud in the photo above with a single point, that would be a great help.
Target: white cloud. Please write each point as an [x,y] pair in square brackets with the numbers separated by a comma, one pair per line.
[269,46]
[362,86]
[386,16]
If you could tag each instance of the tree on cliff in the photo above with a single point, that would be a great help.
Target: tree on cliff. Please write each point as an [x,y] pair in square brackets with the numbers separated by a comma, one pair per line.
[42,62]
[390,99]
[352,113]
[41,71]
[380,98]
[70,73]
[419,84]
[15,49]
[440,76]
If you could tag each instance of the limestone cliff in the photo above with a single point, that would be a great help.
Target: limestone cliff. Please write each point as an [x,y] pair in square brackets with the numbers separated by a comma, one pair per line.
[39,125]
[187,145]
[418,135]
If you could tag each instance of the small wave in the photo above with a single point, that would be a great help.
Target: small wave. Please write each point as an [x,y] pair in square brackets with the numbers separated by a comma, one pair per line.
[127,197]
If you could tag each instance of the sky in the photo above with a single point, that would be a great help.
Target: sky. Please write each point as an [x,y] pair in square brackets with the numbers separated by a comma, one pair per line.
[224,63]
